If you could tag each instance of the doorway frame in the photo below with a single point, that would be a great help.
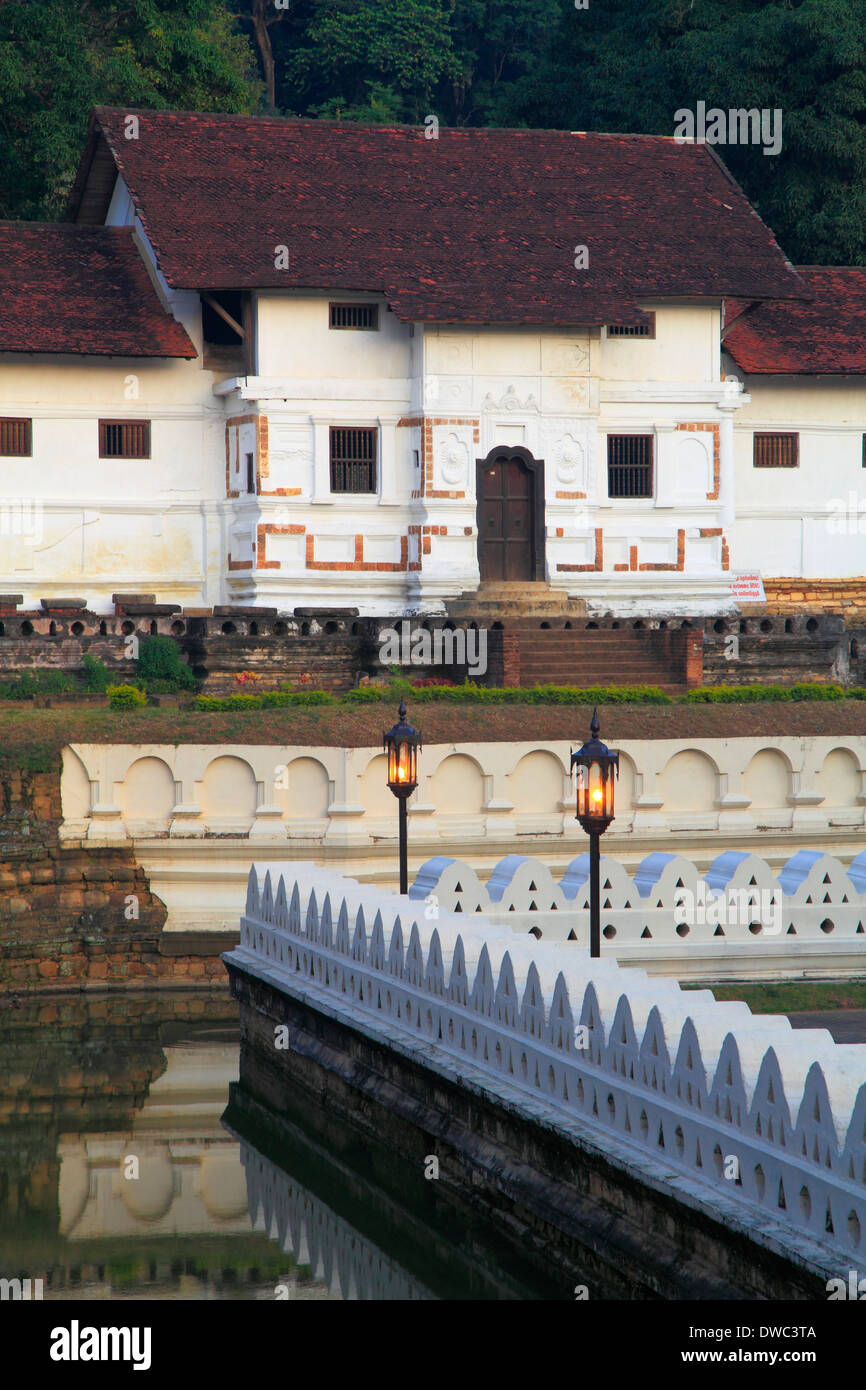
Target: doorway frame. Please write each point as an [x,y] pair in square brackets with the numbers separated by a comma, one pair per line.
[536,473]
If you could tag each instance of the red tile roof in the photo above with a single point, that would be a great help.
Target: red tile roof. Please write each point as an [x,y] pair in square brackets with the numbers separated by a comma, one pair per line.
[477,226]
[825,335]
[81,290]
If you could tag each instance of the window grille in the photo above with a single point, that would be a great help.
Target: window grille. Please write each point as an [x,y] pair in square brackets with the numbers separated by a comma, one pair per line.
[630,465]
[124,439]
[353,459]
[16,438]
[633,330]
[776,451]
[364,316]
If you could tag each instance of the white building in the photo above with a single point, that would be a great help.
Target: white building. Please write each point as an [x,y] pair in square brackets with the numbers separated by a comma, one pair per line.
[303,363]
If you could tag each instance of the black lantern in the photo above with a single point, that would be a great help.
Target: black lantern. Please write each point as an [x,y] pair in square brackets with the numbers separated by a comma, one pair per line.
[401,744]
[596,767]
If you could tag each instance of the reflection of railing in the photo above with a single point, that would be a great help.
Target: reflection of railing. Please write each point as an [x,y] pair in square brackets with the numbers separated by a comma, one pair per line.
[667,902]
[767,1124]
[351,1266]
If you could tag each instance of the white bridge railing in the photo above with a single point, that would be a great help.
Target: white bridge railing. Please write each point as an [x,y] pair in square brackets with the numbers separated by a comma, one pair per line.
[743,1106]
[666,901]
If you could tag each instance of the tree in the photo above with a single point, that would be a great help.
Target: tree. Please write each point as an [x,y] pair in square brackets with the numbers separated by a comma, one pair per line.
[367,61]
[629,65]
[57,61]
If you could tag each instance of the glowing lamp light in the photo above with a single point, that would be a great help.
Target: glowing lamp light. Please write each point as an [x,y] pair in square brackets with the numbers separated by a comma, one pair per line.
[597,768]
[401,744]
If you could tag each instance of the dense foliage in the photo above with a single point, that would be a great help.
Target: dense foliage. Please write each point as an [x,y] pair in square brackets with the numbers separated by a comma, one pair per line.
[616,65]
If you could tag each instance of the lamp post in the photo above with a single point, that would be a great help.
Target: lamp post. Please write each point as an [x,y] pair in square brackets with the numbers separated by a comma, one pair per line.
[595,775]
[401,744]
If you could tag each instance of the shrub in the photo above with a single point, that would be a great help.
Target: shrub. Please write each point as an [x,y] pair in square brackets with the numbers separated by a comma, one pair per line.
[95,674]
[29,683]
[125,697]
[159,660]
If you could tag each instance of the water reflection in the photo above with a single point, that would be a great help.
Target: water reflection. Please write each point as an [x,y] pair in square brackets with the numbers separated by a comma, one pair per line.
[124,1175]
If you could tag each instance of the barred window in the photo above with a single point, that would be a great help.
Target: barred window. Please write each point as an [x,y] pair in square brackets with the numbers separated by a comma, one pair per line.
[353,459]
[16,438]
[630,465]
[124,439]
[776,451]
[355,316]
[633,330]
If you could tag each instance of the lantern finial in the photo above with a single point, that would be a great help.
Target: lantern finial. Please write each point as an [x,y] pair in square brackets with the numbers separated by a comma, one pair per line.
[594,726]
[402,710]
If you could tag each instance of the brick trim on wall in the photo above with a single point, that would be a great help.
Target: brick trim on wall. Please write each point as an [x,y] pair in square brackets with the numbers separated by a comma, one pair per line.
[359,563]
[266,529]
[426,424]
[714,429]
[599,557]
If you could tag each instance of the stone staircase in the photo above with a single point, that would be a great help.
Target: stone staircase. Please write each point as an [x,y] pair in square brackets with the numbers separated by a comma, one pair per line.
[491,603]
[623,657]
[546,640]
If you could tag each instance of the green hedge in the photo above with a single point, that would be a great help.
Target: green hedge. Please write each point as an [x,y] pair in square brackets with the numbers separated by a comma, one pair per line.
[271,699]
[750,694]
[471,694]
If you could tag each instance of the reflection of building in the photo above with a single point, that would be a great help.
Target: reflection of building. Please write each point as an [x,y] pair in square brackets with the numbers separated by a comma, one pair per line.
[190,1177]
[347,1263]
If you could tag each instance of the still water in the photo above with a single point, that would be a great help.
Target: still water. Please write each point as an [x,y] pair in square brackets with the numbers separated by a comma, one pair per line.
[130,1169]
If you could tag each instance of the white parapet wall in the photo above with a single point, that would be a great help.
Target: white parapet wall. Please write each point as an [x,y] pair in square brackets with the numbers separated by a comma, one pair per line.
[762,1125]
[737,919]
[192,810]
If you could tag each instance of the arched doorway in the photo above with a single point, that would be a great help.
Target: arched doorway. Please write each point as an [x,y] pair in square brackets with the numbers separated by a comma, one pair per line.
[510,491]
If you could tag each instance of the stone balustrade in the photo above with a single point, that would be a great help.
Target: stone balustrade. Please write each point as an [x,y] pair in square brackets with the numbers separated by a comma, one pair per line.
[765,1125]
[666,902]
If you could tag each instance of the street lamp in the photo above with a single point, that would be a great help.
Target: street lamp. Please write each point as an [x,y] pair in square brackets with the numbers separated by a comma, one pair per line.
[595,774]
[402,744]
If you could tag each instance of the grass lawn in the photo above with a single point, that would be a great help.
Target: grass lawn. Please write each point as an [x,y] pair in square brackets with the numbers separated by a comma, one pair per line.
[31,738]
[796,996]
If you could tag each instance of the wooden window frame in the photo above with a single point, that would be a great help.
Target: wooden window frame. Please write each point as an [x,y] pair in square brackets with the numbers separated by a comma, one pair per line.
[761,443]
[338,465]
[139,450]
[347,309]
[613,440]
[11,427]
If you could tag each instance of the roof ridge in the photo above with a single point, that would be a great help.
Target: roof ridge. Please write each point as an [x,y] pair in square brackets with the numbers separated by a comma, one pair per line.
[313,122]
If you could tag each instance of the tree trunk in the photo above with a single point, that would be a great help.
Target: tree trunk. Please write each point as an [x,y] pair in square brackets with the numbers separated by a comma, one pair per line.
[266,52]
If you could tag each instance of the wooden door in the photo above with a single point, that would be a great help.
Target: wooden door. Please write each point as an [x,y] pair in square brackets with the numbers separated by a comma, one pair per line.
[506,521]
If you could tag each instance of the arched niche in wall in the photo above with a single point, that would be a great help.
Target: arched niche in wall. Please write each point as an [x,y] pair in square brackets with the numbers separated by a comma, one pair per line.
[308,794]
[148,793]
[228,789]
[375,795]
[536,785]
[688,783]
[457,786]
[839,779]
[74,787]
[624,790]
[767,780]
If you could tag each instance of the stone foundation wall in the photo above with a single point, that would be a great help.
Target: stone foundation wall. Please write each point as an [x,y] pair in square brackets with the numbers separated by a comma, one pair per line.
[73,916]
